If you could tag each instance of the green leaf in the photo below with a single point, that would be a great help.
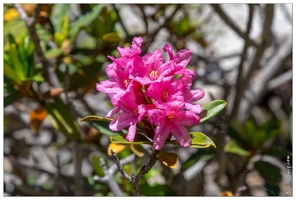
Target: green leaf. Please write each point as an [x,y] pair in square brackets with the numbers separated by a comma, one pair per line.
[211,109]
[103,127]
[233,147]
[139,139]
[62,120]
[111,37]
[271,173]
[10,73]
[168,159]
[276,152]
[96,165]
[16,27]
[53,53]
[57,14]
[84,21]
[95,118]
[200,140]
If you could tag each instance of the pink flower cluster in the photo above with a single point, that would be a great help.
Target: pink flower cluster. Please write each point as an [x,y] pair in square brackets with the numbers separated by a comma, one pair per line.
[156,93]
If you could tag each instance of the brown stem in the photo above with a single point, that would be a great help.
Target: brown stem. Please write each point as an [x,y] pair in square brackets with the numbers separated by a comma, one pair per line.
[135,179]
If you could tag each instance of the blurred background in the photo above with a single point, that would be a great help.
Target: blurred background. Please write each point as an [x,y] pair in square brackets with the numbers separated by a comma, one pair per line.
[54,54]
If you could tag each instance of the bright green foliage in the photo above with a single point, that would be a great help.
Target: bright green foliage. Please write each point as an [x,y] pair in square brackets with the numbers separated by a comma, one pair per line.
[211,109]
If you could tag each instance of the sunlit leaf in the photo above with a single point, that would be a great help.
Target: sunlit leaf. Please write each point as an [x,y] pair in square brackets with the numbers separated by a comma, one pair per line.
[211,109]
[16,27]
[233,147]
[200,140]
[10,15]
[116,148]
[95,118]
[168,159]
[62,120]
[138,150]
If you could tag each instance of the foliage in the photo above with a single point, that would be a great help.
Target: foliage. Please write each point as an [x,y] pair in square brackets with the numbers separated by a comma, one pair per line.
[55,54]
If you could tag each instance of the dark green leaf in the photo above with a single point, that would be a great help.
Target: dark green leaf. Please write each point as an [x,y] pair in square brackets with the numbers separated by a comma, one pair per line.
[103,127]
[271,173]
[276,152]
[212,109]
[156,190]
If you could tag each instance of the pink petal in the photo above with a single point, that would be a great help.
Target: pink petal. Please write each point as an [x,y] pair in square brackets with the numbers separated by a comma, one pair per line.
[187,118]
[182,136]
[183,57]
[161,134]
[131,133]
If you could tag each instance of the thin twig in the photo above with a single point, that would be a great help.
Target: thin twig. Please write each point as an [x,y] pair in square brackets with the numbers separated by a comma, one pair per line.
[108,178]
[150,37]
[240,79]
[78,178]
[135,179]
[231,24]
[266,36]
[119,166]
[121,22]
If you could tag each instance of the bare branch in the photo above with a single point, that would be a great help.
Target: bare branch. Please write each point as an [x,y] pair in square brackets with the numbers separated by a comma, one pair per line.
[119,166]
[120,21]
[266,36]
[231,24]
[240,79]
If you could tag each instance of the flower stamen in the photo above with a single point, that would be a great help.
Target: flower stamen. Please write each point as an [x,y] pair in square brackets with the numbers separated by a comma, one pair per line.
[154,75]
[171,116]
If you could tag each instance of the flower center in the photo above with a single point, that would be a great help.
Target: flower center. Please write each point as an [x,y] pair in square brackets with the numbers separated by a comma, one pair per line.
[165,95]
[171,116]
[126,82]
[154,75]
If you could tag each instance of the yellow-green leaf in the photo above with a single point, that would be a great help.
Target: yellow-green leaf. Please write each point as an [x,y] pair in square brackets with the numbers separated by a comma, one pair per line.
[62,120]
[138,150]
[95,118]
[200,140]
[233,147]
[120,140]
[111,37]
[168,159]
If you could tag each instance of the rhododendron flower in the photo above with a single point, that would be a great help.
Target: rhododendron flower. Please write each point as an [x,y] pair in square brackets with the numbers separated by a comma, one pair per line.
[171,119]
[151,90]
